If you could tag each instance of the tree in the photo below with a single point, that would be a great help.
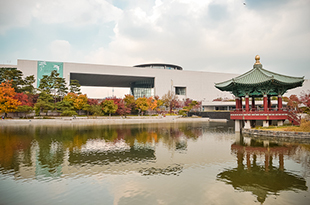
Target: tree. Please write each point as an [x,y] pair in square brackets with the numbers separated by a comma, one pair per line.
[130,102]
[18,83]
[159,103]
[293,102]
[46,84]
[24,109]
[305,99]
[142,105]
[75,87]
[28,85]
[66,108]
[44,103]
[96,110]
[189,105]
[7,101]
[170,100]
[152,103]
[60,87]
[122,109]
[70,97]
[15,77]
[23,99]
[108,106]
[53,84]
[80,101]
[89,107]
[92,101]
[2,71]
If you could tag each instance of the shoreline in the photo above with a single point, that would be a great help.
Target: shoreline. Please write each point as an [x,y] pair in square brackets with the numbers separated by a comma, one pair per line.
[69,121]
[284,136]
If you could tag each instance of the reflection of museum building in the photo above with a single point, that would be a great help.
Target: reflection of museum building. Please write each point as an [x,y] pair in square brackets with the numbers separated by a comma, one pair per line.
[143,80]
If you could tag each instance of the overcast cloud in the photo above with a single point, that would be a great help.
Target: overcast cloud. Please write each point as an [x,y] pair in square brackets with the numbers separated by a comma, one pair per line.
[204,35]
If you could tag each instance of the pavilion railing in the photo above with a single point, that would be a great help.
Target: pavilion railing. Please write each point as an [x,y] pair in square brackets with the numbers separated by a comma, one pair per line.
[291,113]
[263,110]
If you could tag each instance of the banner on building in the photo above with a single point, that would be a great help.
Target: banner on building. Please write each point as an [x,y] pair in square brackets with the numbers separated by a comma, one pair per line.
[45,68]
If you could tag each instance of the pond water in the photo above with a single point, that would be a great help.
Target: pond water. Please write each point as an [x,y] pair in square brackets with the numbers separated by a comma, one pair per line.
[188,163]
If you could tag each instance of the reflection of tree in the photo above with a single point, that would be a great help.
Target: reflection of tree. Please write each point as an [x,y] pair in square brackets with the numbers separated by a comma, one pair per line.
[170,170]
[302,156]
[14,149]
[181,145]
[262,180]
[132,155]
[51,154]
[16,143]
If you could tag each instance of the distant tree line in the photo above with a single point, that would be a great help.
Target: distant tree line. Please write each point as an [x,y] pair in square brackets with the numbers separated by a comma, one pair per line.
[17,94]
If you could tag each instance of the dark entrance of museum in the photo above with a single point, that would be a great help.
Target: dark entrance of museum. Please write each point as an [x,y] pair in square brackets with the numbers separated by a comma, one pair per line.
[139,86]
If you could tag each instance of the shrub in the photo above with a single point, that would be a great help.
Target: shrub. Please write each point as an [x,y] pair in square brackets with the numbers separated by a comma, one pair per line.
[68,113]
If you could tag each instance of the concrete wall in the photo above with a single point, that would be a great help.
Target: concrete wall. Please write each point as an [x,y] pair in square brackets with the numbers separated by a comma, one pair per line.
[199,85]
[212,115]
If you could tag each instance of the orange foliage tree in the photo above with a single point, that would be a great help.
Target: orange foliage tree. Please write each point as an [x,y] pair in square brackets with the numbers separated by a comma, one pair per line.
[7,101]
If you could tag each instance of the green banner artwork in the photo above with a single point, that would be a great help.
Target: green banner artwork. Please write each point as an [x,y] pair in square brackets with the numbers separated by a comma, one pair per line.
[45,68]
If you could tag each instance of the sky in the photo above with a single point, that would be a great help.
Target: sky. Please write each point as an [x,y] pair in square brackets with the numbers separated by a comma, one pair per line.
[200,35]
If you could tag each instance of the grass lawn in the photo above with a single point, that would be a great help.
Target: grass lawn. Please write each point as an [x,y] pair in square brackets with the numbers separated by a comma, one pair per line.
[304,127]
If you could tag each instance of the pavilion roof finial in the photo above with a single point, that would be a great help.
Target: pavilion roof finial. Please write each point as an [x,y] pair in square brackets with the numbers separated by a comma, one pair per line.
[257,58]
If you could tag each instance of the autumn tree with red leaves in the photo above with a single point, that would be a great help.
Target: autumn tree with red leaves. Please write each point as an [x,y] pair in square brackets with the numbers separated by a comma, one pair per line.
[23,99]
[122,109]
[293,102]
[305,99]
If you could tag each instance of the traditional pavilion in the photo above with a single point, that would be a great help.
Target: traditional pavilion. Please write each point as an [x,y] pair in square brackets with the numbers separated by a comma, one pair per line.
[260,83]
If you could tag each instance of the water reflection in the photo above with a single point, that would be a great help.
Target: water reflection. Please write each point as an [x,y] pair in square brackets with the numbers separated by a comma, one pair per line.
[149,164]
[40,152]
[266,178]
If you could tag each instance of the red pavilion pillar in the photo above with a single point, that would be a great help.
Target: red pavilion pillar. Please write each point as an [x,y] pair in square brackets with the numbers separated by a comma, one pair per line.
[237,103]
[247,103]
[253,103]
[279,102]
[265,103]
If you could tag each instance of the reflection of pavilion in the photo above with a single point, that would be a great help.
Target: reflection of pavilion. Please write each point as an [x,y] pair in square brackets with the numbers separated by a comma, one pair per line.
[262,180]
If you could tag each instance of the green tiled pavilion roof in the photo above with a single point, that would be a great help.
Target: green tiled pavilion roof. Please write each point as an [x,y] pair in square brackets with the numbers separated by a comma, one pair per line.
[259,79]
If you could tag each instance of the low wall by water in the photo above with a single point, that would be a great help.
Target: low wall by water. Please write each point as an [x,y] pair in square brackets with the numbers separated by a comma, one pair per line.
[68,121]
[279,135]
[212,115]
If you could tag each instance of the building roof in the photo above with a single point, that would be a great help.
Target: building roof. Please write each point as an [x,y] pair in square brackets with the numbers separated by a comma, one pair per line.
[163,65]
[259,81]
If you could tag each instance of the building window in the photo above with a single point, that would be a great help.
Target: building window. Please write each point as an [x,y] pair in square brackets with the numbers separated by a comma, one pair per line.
[142,92]
[180,90]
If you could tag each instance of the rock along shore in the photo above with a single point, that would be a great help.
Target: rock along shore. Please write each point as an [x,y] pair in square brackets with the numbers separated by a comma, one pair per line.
[287,136]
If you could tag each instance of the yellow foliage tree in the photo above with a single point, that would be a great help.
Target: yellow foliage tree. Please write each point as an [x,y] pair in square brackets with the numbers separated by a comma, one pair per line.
[80,101]
[142,104]
[70,97]
[7,101]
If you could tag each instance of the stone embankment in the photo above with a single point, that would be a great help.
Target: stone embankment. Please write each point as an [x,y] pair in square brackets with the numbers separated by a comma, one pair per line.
[69,121]
[278,135]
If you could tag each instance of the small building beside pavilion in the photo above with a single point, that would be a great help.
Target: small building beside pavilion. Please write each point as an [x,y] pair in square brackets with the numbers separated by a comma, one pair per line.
[260,83]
